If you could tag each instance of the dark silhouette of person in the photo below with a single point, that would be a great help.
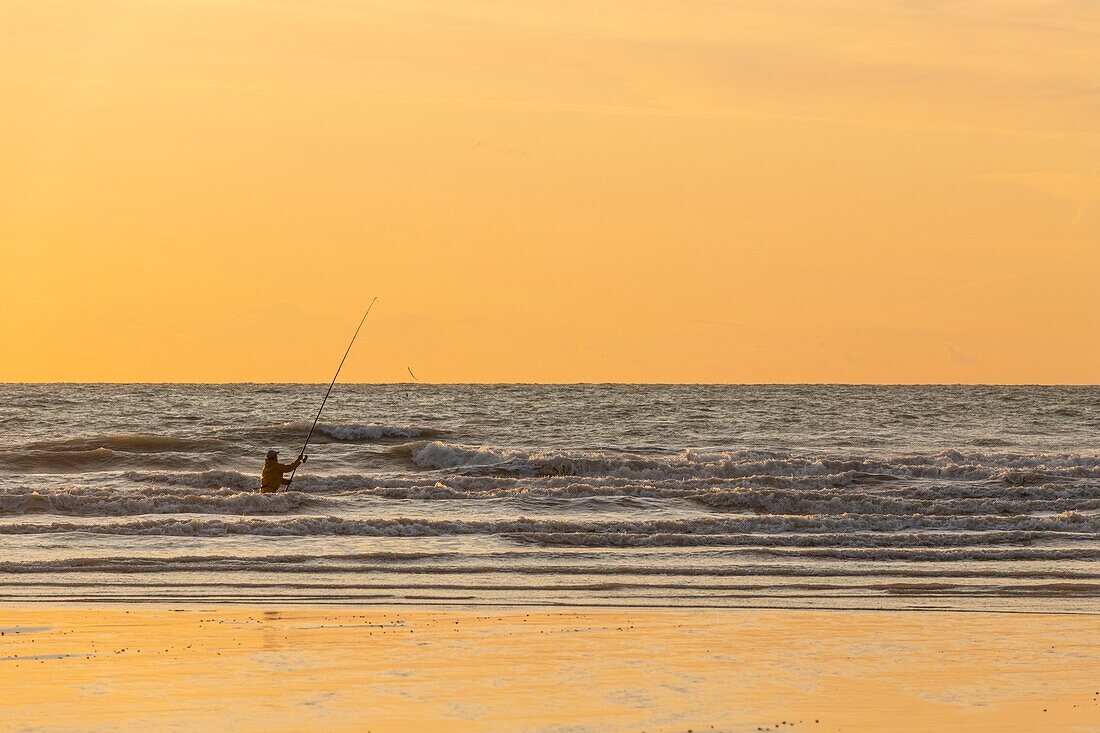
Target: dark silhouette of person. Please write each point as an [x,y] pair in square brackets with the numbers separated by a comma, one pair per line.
[272,478]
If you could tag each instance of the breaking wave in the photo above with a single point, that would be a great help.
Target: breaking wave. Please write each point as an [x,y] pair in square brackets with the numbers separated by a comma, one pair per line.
[98,459]
[415,527]
[837,470]
[391,563]
[115,451]
[334,432]
[127,443]
[234,492]
[85,502]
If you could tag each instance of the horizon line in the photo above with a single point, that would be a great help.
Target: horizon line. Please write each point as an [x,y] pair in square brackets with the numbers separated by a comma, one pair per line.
[566,384]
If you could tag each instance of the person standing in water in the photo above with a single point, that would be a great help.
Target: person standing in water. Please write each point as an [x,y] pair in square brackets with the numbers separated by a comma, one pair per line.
[272,478]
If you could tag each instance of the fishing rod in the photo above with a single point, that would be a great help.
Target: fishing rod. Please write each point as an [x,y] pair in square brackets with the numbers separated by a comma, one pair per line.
[333,382]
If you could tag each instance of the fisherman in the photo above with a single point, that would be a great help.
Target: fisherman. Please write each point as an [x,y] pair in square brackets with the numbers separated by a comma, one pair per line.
[272,477]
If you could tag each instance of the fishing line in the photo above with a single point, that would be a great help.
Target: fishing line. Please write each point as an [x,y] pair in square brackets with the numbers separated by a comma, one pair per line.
[334,376]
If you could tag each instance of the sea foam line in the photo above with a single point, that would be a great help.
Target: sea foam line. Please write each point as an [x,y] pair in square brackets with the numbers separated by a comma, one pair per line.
[415,527]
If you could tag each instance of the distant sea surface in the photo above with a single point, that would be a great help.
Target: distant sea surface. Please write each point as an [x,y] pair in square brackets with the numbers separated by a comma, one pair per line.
[719,496]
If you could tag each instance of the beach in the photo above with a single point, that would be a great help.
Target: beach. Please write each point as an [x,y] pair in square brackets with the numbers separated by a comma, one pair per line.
[395,668]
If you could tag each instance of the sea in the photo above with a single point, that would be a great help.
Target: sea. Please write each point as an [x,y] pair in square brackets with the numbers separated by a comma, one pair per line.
[960,498]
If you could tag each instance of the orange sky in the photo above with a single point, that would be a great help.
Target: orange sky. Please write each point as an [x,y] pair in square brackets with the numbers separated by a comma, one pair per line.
[659,191]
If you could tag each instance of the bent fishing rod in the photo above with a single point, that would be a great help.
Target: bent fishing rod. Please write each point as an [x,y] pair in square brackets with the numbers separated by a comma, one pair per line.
[327,393]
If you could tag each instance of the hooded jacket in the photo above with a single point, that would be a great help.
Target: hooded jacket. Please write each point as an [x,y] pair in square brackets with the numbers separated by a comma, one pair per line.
[272,477]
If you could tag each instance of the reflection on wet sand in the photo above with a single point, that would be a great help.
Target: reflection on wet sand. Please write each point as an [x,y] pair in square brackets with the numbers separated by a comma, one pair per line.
[455,669]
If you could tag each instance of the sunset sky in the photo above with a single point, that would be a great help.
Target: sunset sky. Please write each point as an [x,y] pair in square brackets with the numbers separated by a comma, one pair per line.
[655,191]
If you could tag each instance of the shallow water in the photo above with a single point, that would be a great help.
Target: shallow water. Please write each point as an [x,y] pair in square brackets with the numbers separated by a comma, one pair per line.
[809,496]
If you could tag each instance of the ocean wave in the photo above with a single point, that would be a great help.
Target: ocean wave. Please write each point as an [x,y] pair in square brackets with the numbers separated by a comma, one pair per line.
[127,443]
[463,484]
[177,563]
[924,549]
[738,498]
[415,527]
[98,459]
[839,470]
[308,483]
[996,477]
[103,502]
[334,432]
[637,592]
[356,432]
[615,571]
[771,501]
[888,540]
[719,494]
[209,479]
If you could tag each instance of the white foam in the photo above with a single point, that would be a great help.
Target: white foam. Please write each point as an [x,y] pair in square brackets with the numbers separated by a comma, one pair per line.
[416,527]
[837,470]
[370,431]
[94,502]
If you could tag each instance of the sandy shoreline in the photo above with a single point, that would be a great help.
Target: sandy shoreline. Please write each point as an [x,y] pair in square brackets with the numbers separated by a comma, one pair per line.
[467,669]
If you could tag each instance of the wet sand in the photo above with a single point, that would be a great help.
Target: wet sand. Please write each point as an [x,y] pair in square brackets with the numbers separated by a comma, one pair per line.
[469,669]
